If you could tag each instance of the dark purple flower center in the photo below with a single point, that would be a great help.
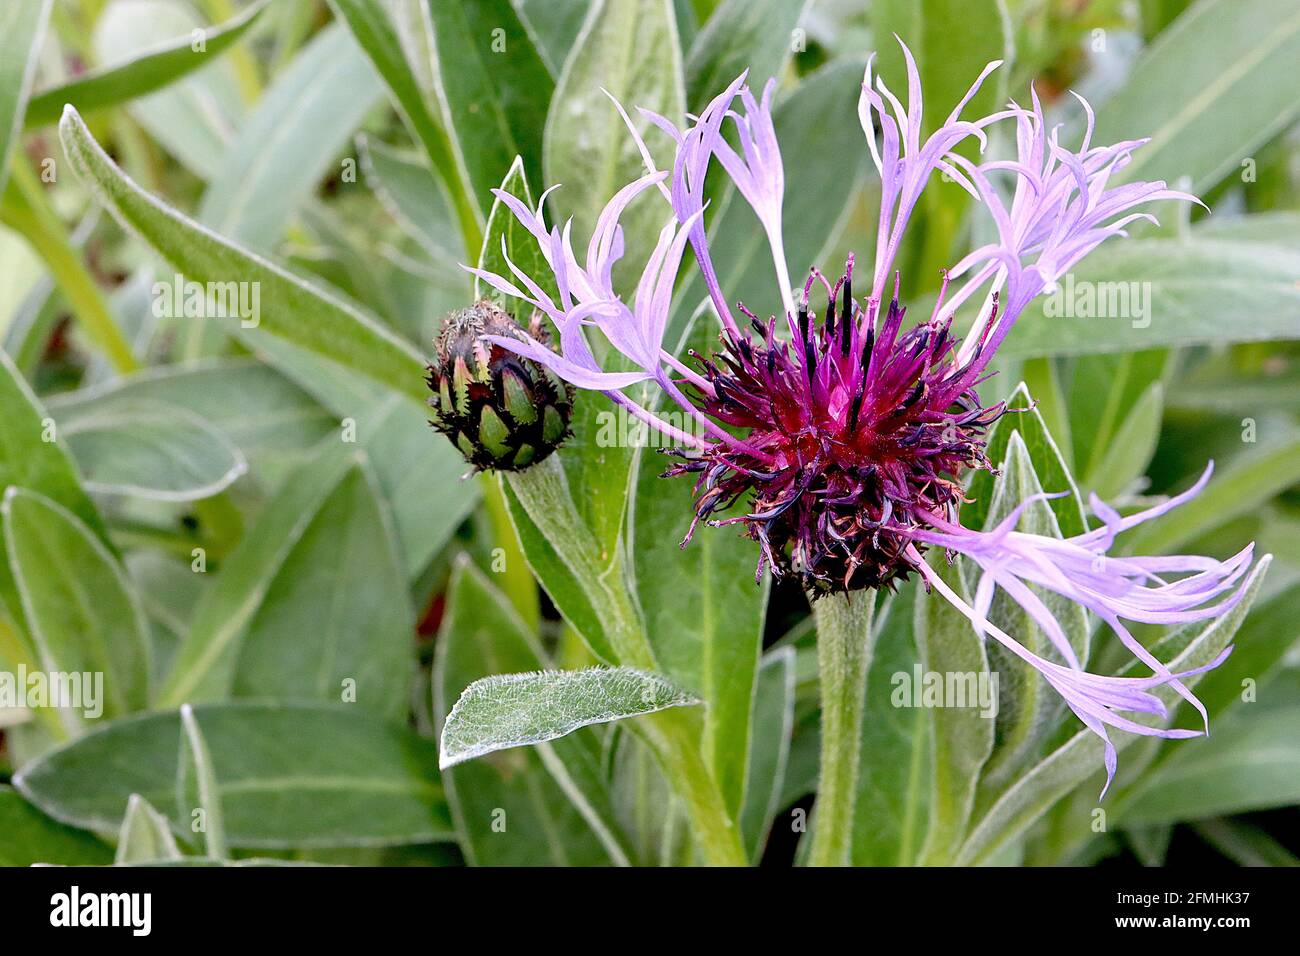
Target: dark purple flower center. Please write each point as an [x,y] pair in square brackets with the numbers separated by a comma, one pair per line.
[852,435]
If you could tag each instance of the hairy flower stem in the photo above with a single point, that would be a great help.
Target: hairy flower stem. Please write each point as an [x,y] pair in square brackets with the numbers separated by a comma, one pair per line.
[844,646]
[544,492]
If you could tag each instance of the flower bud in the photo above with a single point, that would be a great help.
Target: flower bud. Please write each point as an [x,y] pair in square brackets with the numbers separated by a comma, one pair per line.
[503,411]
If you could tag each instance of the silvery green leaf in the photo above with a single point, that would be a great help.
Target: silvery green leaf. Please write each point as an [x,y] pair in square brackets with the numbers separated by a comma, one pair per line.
[290,140]
[1203,121]
[554,26]
[506,238]
[398,40]
[1105,391]
[1045,456]
[288,776]
[142,72]
[81,611]
[22,26]
[168,454]
[561,584]
[28,460]
[1151,293]
[145,834]
[193,119]
[259,411]
[895,779]
[555,797]
[496,88]
[703,610]
[629,48]
[741,35]
[1130,451]
[517,710]
[28,836]
[197,792]
[336,620]
[289,307]
[1250,762]
[204,664]
[411,193]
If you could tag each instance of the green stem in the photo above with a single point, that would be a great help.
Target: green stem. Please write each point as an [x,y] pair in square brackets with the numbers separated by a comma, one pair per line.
[26,210]
[544,492]
[844,648]
[517,582]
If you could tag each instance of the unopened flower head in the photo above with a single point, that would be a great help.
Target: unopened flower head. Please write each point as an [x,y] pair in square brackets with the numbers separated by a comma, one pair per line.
[843,437]
[501,409]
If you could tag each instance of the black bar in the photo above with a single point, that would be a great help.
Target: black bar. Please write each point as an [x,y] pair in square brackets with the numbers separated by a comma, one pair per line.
[189,905]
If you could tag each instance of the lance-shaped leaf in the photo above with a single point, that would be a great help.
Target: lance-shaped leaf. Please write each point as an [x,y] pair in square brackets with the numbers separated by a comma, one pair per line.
[396,40]
[337,615]
[1046,457]
[167,454]
[496,87]
[516,710]
[142,73]
[197,795]
[193,118]
[894,782]
[410,192]
[1149,293]
[555,797]
[145,834]
[1251,762]
[1203,121]
[21,27]
[287,775]
[703,610]
[741,35]
[506,237]
[291,309]
[291,139]
[28,836]
[82,613]
[1027,707]
[265,416]
[632,51]
[204,664]
[962,737]
[769,748]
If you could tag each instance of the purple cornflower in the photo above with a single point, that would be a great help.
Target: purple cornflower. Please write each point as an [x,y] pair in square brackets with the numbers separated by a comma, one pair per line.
[847,434]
